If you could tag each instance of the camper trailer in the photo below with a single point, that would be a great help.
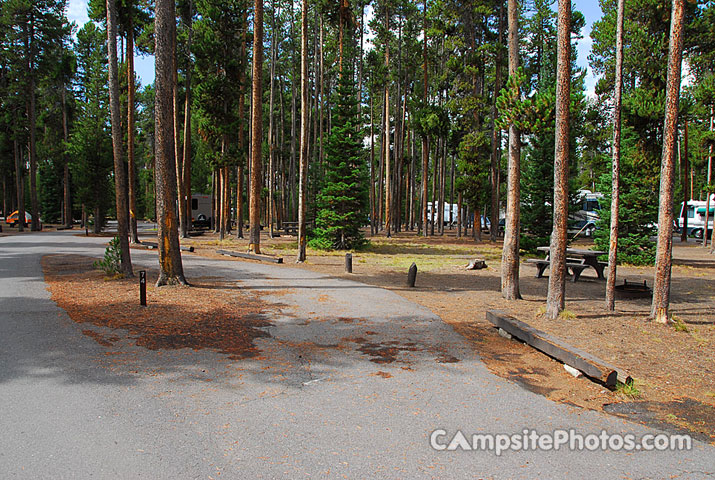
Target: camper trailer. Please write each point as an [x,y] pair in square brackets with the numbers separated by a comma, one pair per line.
[584,220]
[695,211]
[201,210]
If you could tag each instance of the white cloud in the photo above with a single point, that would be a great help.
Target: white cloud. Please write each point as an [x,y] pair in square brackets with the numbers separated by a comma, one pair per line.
[77,12]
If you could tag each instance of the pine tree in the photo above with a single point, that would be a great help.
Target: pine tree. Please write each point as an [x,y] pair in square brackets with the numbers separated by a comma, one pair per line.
[342,202]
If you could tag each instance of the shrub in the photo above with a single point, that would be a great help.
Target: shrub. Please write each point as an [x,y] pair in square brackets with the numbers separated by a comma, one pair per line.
[111,264]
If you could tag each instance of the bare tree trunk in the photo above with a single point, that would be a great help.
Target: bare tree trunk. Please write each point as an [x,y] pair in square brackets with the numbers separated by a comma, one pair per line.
[556,295]
[304,127]
[170,264]
[510,253]
[66,173]
[459,215]
[120,179]
[709,192]
[133,233]
[496,133]
[373,210]
[20,187]
[664,257]
[185,225]
[271,136]
[178,151]
[388,182]
[616,168]
[425,138]
[684,183]
[254,244]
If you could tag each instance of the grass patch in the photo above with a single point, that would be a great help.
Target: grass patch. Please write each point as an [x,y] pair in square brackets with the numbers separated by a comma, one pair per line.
[679,325]
[567,315]
[629,390]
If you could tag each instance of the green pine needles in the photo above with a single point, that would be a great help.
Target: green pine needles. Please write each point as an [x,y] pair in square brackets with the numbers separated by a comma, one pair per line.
[342,201]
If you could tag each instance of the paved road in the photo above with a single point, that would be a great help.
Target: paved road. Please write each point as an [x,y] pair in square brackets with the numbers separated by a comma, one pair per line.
[303,409]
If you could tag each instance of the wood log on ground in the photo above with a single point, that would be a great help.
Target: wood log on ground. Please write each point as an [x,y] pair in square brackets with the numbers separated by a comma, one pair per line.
[152,245]
[251,256]
[554,347]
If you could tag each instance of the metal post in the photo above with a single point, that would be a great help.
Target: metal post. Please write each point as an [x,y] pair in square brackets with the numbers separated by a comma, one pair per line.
[142,288]
[348,263]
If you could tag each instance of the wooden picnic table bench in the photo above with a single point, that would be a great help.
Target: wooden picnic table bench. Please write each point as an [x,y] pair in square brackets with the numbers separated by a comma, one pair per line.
[577,261]
[290,228]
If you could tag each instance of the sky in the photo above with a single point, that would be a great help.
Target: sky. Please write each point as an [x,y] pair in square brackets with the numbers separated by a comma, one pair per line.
[144,65]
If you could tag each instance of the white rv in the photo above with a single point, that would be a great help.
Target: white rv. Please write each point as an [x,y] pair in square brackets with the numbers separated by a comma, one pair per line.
[433,206]
[201,210]
[696,216]
[584,220]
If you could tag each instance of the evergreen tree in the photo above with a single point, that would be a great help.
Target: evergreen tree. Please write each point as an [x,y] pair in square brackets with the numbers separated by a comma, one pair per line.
[90,144]
[343,199]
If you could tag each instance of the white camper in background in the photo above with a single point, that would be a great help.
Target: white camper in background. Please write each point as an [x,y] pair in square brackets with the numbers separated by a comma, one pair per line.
[696,217]
[201,210]
[586,217]
[433,206]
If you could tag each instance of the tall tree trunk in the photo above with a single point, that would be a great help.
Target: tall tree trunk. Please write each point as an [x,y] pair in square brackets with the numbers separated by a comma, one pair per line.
[684,166]
[496,133]
[555,297]
[20,187]
[425,138]
[616,167]
[186,224]
[709,192]
[304,134]
[133,233]
[120,179]
[254,244]
[373,214]
[388,172]
[510,253]
[271,136]
[67,202]
[178,151]
[171,270]
[664,257]
[31,120]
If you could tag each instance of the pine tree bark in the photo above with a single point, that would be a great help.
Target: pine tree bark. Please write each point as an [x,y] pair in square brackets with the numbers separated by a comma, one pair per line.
[254,244]
[120,179]
[20,187]
[178,150]
[664,248]
[185,225]
[684,183]
[171,270]
[131,180]
[496,133]
[556,295]
[425,138]
[67,202]
[388,172]
[304,127]
[510,253]
[710,181]
[709,192]
[616,163]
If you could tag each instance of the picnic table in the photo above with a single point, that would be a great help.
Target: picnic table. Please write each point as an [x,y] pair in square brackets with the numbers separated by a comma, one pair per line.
[577,260]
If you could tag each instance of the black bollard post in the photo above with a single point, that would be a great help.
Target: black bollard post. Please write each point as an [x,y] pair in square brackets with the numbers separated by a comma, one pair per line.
[142,288]
[412,275]
[348,263]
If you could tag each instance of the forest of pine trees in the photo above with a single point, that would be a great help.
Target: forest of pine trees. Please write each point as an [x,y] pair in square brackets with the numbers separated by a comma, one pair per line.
[351,117]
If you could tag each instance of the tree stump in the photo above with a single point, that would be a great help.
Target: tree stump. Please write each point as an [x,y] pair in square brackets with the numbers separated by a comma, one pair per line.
[476,264]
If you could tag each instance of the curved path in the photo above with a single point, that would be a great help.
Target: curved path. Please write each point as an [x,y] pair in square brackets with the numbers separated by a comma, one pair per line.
[350,384]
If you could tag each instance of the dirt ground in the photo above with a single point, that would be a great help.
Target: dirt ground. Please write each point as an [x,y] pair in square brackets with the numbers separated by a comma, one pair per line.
[673,367]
